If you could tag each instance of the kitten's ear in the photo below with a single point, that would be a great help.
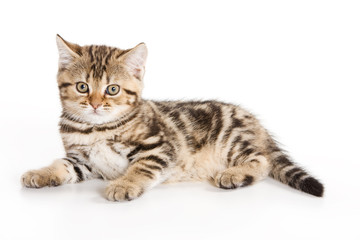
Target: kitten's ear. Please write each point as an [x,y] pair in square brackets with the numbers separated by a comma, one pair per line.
[67,51]
[135,60]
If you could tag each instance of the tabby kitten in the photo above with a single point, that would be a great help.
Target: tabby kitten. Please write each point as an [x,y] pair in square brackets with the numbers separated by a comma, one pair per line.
[110,132]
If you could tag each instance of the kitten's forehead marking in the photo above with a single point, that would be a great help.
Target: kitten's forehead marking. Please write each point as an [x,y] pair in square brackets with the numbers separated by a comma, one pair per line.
[99,60]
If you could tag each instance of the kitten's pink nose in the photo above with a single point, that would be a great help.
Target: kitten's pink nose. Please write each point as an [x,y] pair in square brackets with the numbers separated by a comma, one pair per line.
[95,105]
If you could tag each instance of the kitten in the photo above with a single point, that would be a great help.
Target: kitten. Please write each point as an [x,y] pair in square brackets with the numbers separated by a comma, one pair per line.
[110,132]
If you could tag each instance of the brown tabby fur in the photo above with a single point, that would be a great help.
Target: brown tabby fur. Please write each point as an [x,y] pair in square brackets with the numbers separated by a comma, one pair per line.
[138,143]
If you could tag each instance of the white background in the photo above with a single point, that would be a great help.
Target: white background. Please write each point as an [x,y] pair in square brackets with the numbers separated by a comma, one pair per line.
[295,64]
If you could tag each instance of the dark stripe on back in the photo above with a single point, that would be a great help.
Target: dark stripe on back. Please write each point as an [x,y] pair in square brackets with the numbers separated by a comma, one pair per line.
[244,145]
[247,152]
[175,116]
[163,107]
[235,141]
[200,119]
[190,140]
[217,122]
[226,135]
[237,123]
[154,128]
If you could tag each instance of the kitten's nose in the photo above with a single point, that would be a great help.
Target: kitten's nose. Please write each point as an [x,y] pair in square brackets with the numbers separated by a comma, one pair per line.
[95,105]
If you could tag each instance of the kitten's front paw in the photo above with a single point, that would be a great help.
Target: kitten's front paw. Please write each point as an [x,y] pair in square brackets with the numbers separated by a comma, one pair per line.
[123,190]
[39,179]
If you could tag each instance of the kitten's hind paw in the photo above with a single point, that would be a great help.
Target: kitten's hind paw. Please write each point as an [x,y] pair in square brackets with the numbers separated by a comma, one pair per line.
[39,179]
[230,179]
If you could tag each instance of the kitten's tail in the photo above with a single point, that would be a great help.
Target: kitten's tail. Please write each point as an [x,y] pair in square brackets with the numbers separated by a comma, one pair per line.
[284,170]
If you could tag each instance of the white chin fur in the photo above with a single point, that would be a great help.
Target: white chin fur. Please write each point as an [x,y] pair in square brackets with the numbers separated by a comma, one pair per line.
[101,117]
[98,118]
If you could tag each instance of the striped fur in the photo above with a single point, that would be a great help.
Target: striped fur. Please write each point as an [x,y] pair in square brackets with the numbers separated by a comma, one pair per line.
[137,143]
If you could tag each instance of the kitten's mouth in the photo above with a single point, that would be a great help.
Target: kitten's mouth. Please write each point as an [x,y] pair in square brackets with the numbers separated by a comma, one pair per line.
[94,112]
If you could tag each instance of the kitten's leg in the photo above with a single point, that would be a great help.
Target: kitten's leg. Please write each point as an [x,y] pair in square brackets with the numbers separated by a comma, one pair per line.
[65,170]
[144,173]
[243,172]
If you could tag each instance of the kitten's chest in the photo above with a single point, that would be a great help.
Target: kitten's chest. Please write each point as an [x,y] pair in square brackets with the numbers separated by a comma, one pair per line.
[108,161]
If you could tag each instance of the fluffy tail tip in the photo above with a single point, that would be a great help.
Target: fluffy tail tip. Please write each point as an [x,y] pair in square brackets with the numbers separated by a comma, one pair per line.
[312,186]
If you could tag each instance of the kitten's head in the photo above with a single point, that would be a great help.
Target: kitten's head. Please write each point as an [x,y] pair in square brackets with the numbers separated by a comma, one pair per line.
[99,84]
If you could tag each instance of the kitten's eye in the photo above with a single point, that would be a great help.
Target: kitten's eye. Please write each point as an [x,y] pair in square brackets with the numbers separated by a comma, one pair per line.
[113,89]
[82,87]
